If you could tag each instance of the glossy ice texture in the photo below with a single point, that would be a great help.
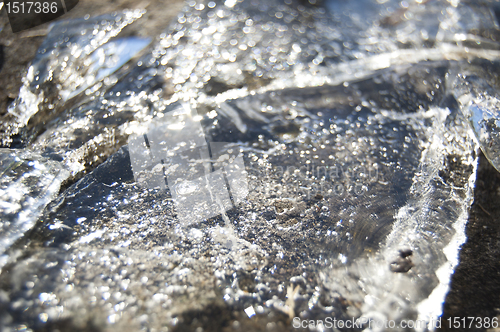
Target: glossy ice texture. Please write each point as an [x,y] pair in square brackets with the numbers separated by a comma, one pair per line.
[345,126]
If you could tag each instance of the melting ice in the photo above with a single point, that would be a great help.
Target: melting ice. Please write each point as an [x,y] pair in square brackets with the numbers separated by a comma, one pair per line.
[354,130]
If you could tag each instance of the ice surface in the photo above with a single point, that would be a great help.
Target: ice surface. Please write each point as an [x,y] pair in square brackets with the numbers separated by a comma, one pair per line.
[476,89]
[62,66]
[28,182]
[335,190]
[357,159]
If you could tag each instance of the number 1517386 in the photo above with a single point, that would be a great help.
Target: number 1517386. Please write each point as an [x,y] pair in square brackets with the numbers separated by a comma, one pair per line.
[28,7]
[26,14]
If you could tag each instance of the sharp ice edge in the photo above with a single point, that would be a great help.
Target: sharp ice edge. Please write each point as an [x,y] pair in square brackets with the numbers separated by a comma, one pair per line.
[431,308]
[474,87]
[104,61]
[45,65]
[319,75]
[50,175]
[412,220]
[346,72]
[389,295]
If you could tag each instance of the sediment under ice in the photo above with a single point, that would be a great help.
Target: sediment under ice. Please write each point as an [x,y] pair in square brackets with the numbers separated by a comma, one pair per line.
[359,163]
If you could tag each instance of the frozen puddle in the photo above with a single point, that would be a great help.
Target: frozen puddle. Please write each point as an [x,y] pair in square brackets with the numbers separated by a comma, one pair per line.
[353,210]
[264,162]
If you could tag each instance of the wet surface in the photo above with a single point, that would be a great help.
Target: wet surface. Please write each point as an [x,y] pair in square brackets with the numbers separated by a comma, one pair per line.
[474,285]
[360,166]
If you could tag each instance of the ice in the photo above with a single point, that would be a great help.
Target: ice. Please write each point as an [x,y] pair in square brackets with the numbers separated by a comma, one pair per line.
[28,182]
[329,206]
[271,52]
[261,161]
[62,67]
[105,61]
[475,89]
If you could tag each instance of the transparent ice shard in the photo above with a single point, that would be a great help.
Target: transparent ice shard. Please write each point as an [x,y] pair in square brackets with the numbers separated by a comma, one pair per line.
[278,46]
[28,182]
[342,183]
[103,62]
[476,89]
[358,167]
[67,49]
